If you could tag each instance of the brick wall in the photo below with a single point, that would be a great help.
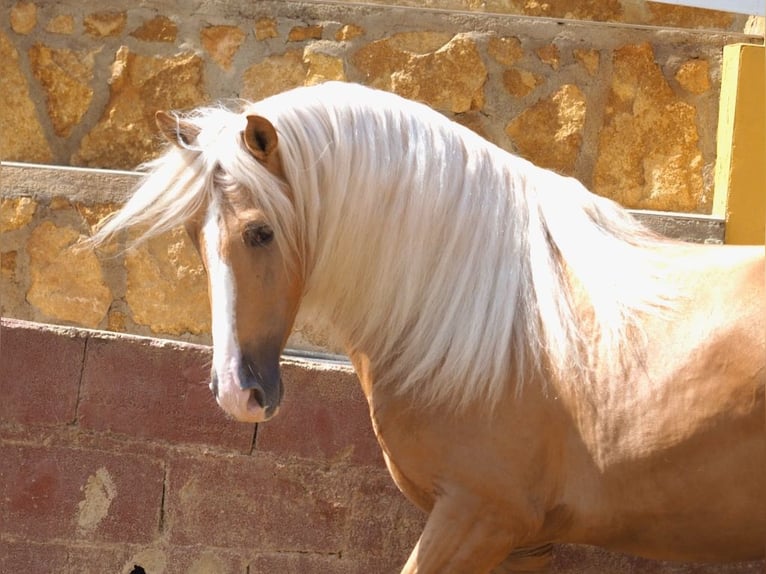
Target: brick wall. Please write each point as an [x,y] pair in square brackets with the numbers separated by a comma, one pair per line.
[113,455]
[115,459]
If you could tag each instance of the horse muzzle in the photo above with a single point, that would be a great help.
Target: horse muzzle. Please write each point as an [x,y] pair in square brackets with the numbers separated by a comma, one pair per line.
[250,393]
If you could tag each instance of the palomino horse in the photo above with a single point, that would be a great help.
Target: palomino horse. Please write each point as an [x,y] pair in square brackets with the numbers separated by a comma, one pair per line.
[539,367]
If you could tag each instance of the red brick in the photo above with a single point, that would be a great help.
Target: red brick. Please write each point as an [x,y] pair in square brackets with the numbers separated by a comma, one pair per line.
[201,560]
[45,491]
[292,562]
[154,389]
[256,504]
[31,558]
[384,524]
[39,372]
[324,415]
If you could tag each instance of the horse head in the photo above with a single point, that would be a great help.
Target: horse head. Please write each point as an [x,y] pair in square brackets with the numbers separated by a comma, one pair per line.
[254,293]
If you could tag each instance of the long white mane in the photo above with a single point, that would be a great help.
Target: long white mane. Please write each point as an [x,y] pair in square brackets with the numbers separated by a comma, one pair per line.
[454,265]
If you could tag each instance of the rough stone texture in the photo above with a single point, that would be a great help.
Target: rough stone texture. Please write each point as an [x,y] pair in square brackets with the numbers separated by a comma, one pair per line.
[550,132]
[66,283]
[648,153]
[23,138]
[265,28]
[65,76]
[322,67]
[694,76]
[545,89]
[549,55]
[158,29]
[273,75]
[166,288]
[669,15]
[140,85]
[447,75]
[165,395]
[62,24]
[590,59]
[480,69]
[105,24]
[16,212]
[303,33]
[505,50]
[599,10]
[349,32]
[44,360]
[222,43]
[520,82]
[23,17]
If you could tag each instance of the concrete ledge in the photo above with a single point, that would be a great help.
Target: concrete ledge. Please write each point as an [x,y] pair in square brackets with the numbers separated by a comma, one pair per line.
[113,455]
[147,291]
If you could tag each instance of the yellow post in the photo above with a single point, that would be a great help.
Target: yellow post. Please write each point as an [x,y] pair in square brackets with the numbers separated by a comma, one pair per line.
[740,194]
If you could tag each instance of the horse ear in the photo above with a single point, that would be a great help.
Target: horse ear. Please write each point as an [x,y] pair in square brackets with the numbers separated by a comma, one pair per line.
[260,137]
[176,130]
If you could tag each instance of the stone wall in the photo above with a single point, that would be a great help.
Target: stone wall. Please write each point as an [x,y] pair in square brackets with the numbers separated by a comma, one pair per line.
[629,110]
[157,289]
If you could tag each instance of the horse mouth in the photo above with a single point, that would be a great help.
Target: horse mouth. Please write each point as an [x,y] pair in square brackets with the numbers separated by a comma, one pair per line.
[252,395]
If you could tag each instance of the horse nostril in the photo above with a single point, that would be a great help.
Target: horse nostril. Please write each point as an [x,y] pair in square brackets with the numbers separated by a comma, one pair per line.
[257,396]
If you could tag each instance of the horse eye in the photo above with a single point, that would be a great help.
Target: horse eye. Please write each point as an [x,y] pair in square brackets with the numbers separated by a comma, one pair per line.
[258,235]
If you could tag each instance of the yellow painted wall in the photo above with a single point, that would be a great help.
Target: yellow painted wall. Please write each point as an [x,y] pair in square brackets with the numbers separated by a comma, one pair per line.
[740,176]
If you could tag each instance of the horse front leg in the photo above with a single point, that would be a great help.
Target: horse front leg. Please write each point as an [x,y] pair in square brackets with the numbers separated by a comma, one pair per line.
[463,534]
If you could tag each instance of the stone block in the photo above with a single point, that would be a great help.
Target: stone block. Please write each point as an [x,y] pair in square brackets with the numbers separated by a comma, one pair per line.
[16,212]
[550,133]
[65,75]
[265,28]
[303,33]
[157,29]
[323,416]
[104,24]
[126,135]
[348,32]
[52,493]
[520,82]
[449,76]
[274,74]
[23,138]
[39,373]
[648,154]
[25,557]
[269,504]
[62,24]
[167,286]
[322,67]
[694,76]
[302,562]
[222,43]
[590,59]
[384,525]
[668,15]
[66,282]
[154,389]
[505,50]
[23,17]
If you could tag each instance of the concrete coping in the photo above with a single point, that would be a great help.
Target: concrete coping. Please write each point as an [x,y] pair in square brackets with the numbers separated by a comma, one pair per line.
[44,182]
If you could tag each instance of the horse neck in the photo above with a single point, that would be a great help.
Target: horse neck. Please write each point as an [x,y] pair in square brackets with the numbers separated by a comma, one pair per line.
[420,268]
